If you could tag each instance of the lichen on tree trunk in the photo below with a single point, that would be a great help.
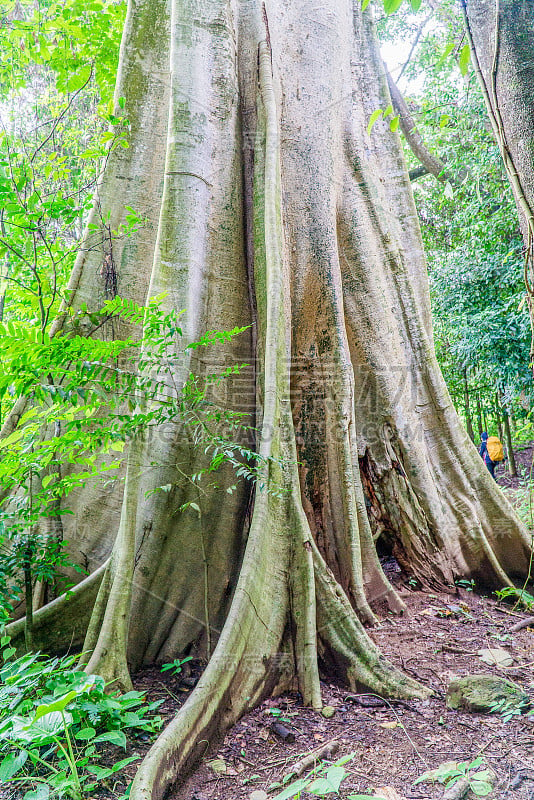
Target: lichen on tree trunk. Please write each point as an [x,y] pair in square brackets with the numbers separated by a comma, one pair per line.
[276,208]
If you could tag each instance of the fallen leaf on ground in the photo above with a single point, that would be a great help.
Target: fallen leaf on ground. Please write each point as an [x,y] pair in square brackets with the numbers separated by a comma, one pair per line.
[496,657]
[389,724]
[387,793]
[218,765]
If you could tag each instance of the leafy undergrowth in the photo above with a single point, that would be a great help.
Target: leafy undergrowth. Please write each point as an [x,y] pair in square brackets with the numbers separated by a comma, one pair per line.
[57,725]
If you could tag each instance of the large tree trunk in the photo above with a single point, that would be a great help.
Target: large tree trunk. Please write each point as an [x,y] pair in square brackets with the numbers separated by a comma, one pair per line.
[268,203]
[501,35]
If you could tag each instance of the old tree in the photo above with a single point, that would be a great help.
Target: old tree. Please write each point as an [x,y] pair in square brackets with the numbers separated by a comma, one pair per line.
[268,204]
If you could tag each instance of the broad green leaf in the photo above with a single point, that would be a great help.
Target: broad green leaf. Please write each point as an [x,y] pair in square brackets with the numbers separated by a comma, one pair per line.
[41,793]
[465,57]
[448,50]
[292,790]
[416,4]
[394,124]
[320,787]
[11,764]
[377,113]
[12,438]
[57,705]
[114,737]
[85,734]
[390,6]
[330,783]
[480,788]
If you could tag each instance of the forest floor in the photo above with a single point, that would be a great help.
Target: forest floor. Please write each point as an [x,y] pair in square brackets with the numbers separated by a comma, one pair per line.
[393,743]
[438,639]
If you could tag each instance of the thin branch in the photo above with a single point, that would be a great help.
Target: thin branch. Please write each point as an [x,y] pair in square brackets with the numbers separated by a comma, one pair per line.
[420,30]
[60,117]
[433,164]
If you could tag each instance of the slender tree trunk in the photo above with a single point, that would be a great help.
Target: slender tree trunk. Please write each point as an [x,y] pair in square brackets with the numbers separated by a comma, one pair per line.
[467,408]
[512,469]
[485,417]
[480,427]
[498,417]
[269,204]
[501,35]
[28,596]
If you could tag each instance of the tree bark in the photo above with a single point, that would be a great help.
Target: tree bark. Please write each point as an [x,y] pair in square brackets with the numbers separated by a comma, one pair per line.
[512,468]
[467,408]
[480,426]
[498,417]
[269,204]
[501,35]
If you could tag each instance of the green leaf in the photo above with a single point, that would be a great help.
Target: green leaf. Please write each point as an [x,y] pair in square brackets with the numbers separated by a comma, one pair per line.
[365,3]
[57,705]
[12,438]
[416,4]
[480,788]
[330,783]
[292,790]
[12,764]
[85,734]
[79,79]
[390,6]
[361,797]
[465,57]
[114,737]
[377,113]
[320,787]
[118,446]
[41,793]
[394,124]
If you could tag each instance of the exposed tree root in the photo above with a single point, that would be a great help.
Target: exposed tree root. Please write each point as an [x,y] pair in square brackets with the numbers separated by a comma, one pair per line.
[62,623]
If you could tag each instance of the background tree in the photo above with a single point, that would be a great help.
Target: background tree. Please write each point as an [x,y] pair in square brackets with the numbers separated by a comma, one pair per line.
[501,36]
[469,220]
[268,203]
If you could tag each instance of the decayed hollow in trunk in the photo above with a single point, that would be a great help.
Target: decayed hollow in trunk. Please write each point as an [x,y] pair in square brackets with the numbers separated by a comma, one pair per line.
[269,204]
